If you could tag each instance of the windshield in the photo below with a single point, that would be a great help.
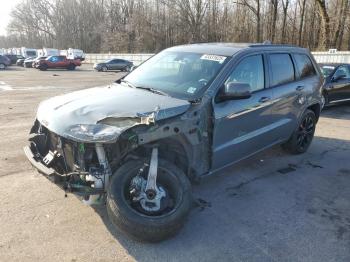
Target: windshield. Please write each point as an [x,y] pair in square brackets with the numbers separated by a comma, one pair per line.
[327,70]
[183,75]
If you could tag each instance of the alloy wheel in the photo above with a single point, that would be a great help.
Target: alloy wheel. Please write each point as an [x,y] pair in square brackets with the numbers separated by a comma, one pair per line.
[305,132]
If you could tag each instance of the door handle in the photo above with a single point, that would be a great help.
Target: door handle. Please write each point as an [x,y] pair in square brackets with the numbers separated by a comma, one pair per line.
[300,88]
[264,99]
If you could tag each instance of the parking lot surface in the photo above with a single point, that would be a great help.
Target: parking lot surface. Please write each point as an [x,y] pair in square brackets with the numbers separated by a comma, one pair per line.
[271,207]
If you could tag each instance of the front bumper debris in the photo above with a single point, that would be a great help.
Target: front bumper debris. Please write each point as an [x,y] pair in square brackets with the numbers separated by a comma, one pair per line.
[37,164]
[69,182]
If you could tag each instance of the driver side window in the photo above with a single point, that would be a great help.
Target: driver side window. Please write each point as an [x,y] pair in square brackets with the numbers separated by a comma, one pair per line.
[54,59]
[249,71]
[342,71]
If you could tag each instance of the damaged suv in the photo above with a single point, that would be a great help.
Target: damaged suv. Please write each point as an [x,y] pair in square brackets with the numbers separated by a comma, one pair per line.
[187,112]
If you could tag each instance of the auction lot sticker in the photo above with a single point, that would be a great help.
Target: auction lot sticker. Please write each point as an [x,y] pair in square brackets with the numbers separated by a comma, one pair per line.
[217,58]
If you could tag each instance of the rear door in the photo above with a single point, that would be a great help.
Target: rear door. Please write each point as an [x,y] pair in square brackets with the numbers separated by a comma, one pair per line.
[113,64]
[288,93]
[340,87]
[120,64]
[62,62]
[242,127]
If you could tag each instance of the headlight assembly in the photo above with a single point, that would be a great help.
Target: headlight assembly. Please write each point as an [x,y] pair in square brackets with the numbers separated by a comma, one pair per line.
[93,133]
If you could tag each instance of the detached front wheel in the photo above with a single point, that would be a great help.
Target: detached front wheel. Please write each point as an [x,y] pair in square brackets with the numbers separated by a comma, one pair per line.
[145,215]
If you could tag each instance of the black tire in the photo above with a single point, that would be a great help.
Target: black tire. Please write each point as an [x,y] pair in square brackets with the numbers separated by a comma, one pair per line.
[71,67]
[302,137]
[2,66]
[127,69]
[144,227]
[43,67]
[104,69]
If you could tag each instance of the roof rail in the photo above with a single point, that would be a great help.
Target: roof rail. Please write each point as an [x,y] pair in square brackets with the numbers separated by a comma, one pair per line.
[268,43]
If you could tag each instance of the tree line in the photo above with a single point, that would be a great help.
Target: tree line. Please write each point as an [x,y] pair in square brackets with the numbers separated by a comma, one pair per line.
[99,26]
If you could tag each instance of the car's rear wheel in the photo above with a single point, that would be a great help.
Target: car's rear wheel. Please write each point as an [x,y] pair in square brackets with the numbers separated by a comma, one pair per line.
[302,136]
[2,66]
[133,217]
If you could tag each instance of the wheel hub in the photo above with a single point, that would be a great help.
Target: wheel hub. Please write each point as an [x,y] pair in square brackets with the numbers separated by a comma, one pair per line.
[149,200]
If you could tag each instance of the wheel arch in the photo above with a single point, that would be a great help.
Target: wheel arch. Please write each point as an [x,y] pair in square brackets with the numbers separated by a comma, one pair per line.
[316,108]
[175,149]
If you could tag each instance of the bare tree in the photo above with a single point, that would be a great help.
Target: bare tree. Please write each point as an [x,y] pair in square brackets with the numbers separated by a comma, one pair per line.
[152,25]
[325,21]
[285,5]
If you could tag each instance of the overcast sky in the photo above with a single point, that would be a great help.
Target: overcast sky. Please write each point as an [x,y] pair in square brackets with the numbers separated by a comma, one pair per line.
[5,10]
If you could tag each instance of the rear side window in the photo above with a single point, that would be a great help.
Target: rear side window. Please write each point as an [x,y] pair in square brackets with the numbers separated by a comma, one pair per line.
[304,65]
[282,69]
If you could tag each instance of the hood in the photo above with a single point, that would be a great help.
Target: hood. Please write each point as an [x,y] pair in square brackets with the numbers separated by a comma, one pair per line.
[107,105]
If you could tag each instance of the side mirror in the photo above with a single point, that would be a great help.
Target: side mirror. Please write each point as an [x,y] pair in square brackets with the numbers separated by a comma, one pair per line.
[234,91]
[337,78]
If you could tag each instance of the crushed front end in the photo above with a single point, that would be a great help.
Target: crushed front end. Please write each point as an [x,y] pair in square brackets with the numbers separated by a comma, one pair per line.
[81,168]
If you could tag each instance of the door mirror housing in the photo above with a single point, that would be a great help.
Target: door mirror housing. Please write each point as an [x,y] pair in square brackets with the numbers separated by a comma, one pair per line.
[235,91]
[337,78]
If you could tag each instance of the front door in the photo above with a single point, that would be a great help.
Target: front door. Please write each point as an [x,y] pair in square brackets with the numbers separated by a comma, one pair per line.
[242,127]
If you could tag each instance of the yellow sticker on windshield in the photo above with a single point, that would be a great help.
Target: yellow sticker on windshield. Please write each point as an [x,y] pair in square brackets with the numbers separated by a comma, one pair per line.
[217,58]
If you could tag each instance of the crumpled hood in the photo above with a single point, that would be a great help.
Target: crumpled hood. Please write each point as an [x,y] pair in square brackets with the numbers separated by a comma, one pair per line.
[92,105]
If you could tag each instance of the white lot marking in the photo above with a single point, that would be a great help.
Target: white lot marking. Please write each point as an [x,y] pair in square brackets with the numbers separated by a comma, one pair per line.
[5,87]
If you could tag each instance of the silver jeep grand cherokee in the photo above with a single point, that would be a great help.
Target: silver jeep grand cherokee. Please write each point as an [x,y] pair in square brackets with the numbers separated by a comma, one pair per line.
[187,112]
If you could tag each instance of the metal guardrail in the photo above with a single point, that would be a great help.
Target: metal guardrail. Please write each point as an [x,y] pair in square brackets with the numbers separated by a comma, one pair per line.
[321,57]
[135,58]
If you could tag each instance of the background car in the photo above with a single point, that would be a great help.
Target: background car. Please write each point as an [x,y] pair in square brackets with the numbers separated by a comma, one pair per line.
[336,87]
[4,62]
[28,62]
[114,64]
[20,62]
[57,62]
[36,61]
[14,58]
